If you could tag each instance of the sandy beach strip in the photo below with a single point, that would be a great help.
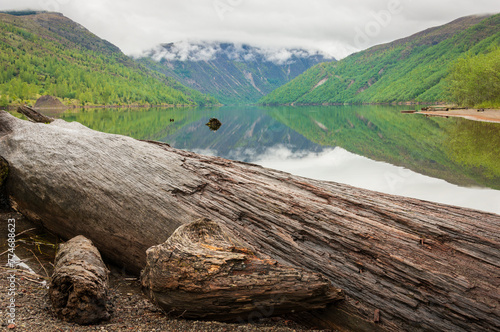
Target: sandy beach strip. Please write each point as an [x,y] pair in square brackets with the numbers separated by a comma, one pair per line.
[489,115]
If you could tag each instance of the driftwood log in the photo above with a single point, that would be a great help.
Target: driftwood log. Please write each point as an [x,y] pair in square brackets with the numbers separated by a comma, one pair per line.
[202,272]
[78,289]
[422,265]
[33,115]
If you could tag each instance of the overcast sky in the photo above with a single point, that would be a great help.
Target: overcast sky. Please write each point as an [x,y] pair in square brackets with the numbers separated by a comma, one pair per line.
[333,26]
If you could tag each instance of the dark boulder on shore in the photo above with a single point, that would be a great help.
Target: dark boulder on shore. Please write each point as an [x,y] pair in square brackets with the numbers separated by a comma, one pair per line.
[48,102]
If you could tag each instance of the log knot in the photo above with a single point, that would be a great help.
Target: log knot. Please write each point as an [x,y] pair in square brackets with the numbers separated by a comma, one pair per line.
[203,272]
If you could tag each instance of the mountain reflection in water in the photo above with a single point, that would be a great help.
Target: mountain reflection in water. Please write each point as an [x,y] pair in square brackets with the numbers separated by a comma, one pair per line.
[342,166]
[453,161]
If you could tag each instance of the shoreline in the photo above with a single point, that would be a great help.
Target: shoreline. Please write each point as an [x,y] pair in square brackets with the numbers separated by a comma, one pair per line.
[67,107]
[488,115]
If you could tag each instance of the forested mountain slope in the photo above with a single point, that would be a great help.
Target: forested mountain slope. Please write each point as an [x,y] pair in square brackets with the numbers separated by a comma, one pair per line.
[47,53]
[409,69]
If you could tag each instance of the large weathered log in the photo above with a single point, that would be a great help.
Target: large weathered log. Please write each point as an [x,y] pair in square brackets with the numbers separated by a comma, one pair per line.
[78,288]
[422,265]
[202,272]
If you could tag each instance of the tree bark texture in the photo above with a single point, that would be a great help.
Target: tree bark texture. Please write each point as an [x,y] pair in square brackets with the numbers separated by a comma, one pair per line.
[4,172]
[422,265]
[202,272]
[78,288]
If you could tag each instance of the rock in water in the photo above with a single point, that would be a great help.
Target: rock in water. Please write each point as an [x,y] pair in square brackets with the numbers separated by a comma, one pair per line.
[214,124]
[78,290]
[201,272]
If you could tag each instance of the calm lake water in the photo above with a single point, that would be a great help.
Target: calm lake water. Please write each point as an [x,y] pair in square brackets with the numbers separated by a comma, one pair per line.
[447,160]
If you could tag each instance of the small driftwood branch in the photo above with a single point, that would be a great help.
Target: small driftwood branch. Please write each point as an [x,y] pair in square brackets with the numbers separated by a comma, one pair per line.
[33,115]
[79,286]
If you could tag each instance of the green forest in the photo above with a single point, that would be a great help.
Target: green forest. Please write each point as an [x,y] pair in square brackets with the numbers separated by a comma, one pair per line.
[475,80]
[49,54]
[418,68]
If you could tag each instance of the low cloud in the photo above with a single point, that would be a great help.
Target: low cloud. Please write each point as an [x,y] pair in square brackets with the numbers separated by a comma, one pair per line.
[330,26]
[184,50]
[206,51]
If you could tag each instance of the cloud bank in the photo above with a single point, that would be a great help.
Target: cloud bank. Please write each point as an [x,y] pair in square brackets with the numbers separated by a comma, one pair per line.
[207,51]
[332,26]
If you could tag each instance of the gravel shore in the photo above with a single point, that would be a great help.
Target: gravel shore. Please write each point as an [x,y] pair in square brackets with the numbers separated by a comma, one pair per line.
[132,311]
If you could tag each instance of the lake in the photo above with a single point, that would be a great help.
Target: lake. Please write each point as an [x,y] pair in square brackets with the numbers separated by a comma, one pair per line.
[448,160]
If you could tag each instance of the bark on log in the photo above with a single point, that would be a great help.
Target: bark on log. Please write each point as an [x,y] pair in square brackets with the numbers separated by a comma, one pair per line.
[4,172]
[79,287]
[423,265]
[202,272]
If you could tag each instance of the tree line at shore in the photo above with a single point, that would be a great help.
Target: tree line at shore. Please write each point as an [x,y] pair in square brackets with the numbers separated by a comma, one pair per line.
[475,80]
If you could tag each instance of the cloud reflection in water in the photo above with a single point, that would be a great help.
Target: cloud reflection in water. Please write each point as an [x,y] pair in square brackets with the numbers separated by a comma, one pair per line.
[339,165]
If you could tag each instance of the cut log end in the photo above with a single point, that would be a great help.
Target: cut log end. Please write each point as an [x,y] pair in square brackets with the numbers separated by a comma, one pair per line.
[78,290]
[201,272]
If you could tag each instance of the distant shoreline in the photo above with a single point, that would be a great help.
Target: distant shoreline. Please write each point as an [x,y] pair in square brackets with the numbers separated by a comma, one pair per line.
[66,107]
[395,103]
[488,115]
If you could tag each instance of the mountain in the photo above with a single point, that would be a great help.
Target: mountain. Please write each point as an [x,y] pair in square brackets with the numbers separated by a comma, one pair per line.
[232,73]
[46,53]
[409,69]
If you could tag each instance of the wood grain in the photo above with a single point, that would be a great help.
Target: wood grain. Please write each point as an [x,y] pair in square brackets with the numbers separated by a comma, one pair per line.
[202,272]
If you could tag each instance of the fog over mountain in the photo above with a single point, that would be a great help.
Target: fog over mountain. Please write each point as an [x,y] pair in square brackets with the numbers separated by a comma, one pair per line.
[336,27]
[231,72]
[208,50]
